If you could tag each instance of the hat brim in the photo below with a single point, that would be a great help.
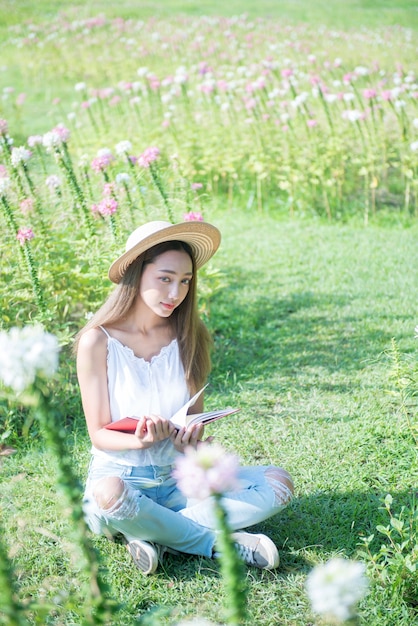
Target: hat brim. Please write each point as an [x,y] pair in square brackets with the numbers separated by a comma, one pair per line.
[203,238]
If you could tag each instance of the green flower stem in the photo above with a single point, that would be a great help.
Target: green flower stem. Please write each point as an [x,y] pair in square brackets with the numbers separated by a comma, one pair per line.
[65,162]
[160,188]
[26,254]
[138,181]
[326,109]
[34,195]
[92,120]
[99,607]
[9,607]
[9,215]
[113,228]
[34,276]
[130,203]
[232,569]
[18,179]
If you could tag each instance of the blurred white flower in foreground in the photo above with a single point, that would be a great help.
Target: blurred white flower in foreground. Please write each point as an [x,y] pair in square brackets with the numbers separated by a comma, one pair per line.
[206,471]
[336,587]
[26,353]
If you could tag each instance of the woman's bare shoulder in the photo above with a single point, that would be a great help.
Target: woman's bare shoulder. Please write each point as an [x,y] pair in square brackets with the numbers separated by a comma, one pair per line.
[92,340]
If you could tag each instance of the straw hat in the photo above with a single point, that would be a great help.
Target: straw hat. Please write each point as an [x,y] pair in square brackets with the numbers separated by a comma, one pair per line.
[203,238]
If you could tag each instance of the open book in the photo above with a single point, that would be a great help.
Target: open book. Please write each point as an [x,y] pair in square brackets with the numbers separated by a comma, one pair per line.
[179,419]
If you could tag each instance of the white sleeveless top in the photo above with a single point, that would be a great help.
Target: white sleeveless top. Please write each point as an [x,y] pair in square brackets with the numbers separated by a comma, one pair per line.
[138,387]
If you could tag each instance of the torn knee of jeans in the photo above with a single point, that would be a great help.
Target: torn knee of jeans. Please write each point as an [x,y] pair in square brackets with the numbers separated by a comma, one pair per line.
[281,483]
[115,498]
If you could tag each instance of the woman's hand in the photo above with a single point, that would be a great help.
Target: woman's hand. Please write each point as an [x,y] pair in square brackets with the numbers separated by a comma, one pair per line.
[184,437]
[153,428]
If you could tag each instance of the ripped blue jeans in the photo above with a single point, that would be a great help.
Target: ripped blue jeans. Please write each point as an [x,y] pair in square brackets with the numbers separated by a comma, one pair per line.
[152,508]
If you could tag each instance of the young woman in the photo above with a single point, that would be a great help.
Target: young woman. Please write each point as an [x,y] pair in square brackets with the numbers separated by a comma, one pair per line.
[143,354]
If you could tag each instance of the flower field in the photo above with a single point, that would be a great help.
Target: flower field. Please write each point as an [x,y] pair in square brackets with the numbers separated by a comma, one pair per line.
[286,119]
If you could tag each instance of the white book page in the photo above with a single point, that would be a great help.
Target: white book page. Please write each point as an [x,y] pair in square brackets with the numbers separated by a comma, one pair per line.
[179,418]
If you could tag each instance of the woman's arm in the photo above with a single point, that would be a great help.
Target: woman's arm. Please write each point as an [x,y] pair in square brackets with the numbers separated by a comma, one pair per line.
[92,379]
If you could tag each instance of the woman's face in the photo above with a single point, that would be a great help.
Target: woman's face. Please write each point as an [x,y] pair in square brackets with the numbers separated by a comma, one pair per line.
[165,282]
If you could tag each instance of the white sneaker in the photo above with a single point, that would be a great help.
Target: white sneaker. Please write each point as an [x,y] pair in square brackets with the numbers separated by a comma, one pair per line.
[144,554]
[256,550]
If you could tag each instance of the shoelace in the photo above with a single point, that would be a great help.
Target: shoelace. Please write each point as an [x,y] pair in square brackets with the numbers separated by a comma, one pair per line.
[246,553]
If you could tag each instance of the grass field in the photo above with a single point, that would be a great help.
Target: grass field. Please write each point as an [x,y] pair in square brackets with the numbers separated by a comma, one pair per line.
[311,299]
[337,13]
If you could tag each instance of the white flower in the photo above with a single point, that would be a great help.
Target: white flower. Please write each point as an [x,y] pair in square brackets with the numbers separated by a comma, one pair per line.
[336,587]
[80,86]
[4,185]
[123,147]
[415,122]
[352,115]
[416,332]
[83,160]
[122,178]
[331,97]
[53,181]
[361,70]
[348,96]
[20,155]
[104,152]
[299,100]
[414,146]
[50,140]
[26,353]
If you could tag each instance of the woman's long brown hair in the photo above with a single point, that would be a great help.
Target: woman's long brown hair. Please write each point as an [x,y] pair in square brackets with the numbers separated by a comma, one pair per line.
[192,335]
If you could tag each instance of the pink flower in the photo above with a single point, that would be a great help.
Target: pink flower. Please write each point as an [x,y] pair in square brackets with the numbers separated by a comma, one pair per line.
[3,127]
[62,132]
[148,156]
[102,161]
[312,123]
[193,216]
[3,171]
[251,103]
[196,186]
[34,140]
[154,83]
[108,189]
[369,93]
[24,234]
[206,471]
[286,72]
[107,206]
[315,79]
[26,206]
[20,99]
[55,137]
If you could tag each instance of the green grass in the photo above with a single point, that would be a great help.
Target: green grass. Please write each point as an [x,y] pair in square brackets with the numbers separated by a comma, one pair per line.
[301,329]
[337,13]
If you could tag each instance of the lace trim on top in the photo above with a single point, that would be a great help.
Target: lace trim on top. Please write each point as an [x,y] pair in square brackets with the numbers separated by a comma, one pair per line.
[132,354]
